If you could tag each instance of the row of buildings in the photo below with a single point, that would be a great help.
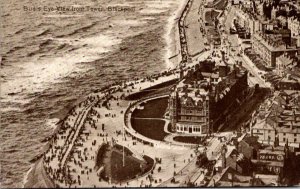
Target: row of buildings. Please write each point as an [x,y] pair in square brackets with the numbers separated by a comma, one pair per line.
[246,162]
[270,37]
[275,42]
[278,119]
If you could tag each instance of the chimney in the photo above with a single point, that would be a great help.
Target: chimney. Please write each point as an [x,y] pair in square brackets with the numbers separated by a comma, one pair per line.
[234,157]
[276,142]
[181,74]
[298,41]
[224,157]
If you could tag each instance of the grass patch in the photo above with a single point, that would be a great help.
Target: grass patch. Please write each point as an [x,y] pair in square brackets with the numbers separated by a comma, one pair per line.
[190,139]
[149,128]
[120,148]
[152,109]
[100,155]
[170,128]
[133,167]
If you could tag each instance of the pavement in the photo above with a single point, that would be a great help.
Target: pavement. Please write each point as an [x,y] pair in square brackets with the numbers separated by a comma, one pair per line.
[194,37]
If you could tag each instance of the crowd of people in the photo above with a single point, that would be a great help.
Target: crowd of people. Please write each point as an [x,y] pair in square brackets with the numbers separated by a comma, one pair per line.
[69,145]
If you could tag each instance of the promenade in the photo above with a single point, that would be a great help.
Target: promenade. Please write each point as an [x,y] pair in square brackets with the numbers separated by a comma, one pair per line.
[194,37]
[71,157]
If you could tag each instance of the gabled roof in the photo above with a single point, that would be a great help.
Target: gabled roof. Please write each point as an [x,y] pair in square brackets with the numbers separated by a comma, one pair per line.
[252,141]
[263,125]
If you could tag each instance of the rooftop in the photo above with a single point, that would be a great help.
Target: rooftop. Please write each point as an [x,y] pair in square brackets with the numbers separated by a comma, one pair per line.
[270,163]
[272,41]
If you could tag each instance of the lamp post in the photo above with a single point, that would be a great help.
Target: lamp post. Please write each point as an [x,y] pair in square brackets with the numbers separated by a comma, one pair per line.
[123,145]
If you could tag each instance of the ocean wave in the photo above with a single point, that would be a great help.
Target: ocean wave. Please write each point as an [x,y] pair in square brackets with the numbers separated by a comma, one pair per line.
[78,30]
[5,15]
[62,46]
[14,49]
[43,33]
[73,49]
[31,54]
[10,151]
[20,31]
[45,43]
[44,46]
[52,123]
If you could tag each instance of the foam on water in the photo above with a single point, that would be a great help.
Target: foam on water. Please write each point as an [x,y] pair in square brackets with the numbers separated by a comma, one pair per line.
[51,123]
[37,75]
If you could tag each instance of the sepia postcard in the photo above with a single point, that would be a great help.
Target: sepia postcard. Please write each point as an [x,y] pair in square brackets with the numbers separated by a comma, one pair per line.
[149,93]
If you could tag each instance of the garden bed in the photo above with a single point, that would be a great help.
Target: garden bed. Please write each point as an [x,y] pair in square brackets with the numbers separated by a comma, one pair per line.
[152,109]
[132,167]
[150,128]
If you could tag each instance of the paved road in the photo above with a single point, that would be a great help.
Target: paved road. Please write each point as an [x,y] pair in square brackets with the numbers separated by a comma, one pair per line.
[182,176]
[251,68]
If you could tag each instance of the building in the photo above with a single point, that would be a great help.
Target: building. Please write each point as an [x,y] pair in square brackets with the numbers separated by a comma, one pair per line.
[230,177]
[249,147]
[236,160]
[283,63]
[264,132]
[270,161]
[203,95]
[294,26]
[271,46]
[278,119]
[189,109]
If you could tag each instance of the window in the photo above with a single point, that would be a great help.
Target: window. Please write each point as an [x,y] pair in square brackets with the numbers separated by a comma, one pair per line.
[295,140]
[283,139]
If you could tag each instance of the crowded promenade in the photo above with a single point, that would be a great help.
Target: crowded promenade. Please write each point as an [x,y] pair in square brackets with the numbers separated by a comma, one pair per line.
[70,158]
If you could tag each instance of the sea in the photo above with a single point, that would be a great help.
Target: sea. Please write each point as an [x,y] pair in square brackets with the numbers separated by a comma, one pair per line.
[54,53]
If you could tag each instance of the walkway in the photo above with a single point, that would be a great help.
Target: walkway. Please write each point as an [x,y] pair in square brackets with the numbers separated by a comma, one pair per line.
[183,175]
[78,126]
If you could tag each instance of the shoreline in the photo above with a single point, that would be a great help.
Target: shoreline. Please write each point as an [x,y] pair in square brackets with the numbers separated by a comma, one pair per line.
[171,41]
[172,38]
